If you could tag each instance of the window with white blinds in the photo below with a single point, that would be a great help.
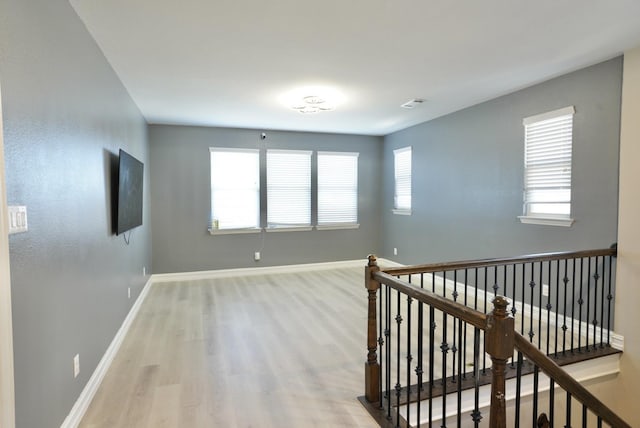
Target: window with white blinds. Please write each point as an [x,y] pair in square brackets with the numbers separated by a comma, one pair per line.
[547,164]
[337,188]
[402,179]
[288,188]
[235,189]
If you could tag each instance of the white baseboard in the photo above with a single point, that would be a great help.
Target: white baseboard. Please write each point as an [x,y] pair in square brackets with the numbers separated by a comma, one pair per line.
[266,270]
[84,400]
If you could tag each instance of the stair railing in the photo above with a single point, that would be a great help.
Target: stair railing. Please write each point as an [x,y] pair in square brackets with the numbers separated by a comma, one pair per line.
[497,327]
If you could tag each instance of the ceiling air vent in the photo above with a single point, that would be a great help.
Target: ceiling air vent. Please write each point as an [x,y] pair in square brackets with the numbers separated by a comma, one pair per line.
[413,103]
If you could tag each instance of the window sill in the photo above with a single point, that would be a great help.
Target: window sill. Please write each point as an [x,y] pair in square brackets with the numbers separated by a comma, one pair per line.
[337,226]
[546,221]
[288,228]
[401,211]
[234,231]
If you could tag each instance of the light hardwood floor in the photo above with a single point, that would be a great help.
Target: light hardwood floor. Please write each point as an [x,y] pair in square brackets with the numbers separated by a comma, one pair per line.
[284,350]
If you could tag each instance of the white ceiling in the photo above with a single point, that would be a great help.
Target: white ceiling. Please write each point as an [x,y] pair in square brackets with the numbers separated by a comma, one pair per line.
[230,62]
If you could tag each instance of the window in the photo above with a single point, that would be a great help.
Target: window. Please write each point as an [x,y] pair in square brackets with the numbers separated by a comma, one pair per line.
[235,189]
[337,189]
[288,188]
[547,167]
[402,176]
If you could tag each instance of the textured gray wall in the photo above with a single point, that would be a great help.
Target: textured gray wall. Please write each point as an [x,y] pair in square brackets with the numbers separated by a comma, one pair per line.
[65,116]
[180,202]
[468,174]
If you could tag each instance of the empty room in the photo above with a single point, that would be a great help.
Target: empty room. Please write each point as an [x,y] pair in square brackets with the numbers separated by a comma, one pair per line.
[342,214]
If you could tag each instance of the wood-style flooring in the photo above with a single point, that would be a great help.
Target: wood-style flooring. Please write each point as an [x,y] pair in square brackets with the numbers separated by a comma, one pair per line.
[281,350]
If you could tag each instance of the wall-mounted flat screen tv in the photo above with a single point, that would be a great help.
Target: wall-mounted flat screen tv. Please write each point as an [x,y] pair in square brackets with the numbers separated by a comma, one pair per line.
[130,185]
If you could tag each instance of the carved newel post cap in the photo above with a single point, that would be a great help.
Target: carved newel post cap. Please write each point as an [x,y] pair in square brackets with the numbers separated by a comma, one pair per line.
[500,306]
[373,261]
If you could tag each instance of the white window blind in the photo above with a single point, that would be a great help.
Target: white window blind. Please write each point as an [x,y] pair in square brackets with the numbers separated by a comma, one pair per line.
[288,188]
[337,188]
[235,188]
[547,164]
[402,178]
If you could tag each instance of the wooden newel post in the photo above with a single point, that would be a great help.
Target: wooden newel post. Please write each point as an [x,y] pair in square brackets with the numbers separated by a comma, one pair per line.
[371,366]
[499,344]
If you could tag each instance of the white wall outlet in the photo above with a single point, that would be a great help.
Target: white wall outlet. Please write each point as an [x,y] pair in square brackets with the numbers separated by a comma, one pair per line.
[144,270]
[256,256]
[545,290]
[128,292]
[395,251]
[76,365]
[17,219]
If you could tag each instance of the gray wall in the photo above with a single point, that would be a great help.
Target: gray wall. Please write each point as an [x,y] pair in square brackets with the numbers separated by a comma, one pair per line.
[181,201]
[468,174]
[65,116]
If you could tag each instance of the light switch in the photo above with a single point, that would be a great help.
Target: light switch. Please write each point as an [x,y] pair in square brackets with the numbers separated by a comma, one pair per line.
[17,219]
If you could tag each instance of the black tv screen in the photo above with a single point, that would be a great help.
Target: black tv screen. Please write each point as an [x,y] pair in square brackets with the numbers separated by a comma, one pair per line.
[130,185]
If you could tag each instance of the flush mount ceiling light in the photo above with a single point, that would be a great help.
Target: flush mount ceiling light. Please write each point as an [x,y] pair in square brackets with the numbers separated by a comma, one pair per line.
[312,104]
[412,103]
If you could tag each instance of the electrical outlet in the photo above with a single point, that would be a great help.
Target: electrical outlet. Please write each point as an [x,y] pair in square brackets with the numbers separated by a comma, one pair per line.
[76,365]
[545,290]
[128,292]
[395,251]
[256,256]
[144,270]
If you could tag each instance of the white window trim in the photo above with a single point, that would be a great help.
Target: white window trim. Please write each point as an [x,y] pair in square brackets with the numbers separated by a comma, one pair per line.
[548,219]
[338,226]
[401,211]
[288,228]
[234,231]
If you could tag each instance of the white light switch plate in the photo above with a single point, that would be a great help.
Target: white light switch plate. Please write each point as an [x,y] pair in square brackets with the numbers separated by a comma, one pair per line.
[17,219]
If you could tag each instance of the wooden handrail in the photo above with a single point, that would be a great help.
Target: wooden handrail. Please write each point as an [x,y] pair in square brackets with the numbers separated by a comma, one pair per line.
[466,314]
[569,384]
[468,264]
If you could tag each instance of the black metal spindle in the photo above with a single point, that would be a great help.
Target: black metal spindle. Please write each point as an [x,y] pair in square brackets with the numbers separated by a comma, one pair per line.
[588,301]
[549,307]
[596,277]
[599,422]
[388,351]
[459,375]
[580,303]
[398,342]
[540,290]
[536,372]
[513,306]
[557,289]
[552,394]
[464,335]
[568,412]
[432,328]
[565,280]
[409,356]
[573,306]
[523,299]
[454,348]
[602,297]
[609,298]
[532,286]
[476,415]
[584,416]
[380,344]
[444,347]
[484,354]
[518,388]
[420,365]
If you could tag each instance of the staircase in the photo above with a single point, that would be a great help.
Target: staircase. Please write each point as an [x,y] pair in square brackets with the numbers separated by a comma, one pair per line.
[481,343]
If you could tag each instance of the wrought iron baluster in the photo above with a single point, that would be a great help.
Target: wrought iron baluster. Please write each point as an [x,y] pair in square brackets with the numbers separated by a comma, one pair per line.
[580,303]
[388,352]
[548,307]
[484,354]
[596,277]
[536,371]
[539,307]
[454,348]
[557,303]
[584,416]
[609,298]
[409,356]
[568,412]
[432,327]
[420,365]
[573,306]
[552,395]
[565,280]
[476,415]
[588,301]
[513,306]
[464,335]
[380,344]
[532,286]
[518,388]
[398,342]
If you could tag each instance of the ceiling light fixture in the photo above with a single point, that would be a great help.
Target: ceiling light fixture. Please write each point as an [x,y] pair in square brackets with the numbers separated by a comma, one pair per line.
[312,104]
